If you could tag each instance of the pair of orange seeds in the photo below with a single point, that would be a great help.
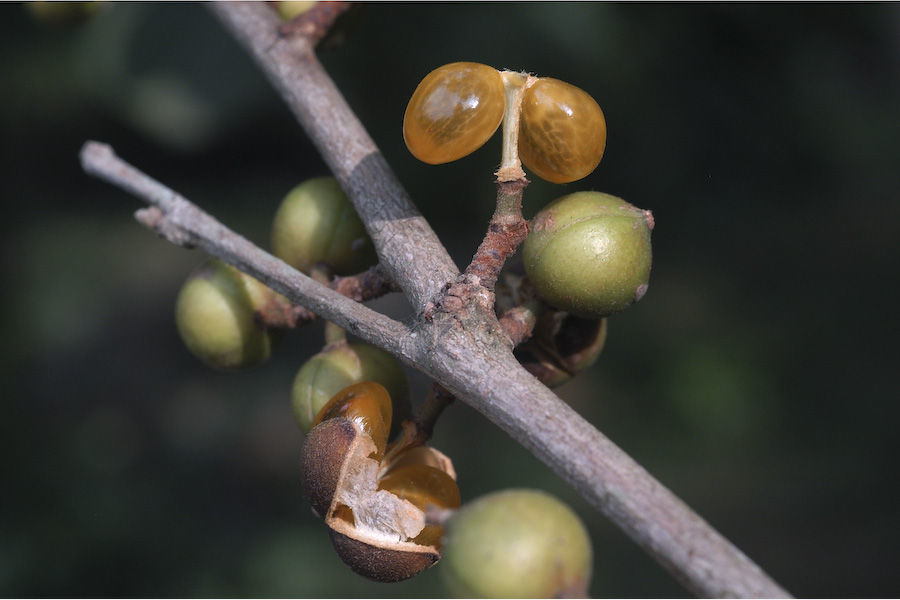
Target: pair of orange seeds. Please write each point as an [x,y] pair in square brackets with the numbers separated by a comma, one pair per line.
[458,107]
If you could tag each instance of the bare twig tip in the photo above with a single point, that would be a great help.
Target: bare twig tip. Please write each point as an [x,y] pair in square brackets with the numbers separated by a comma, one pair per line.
[93,152]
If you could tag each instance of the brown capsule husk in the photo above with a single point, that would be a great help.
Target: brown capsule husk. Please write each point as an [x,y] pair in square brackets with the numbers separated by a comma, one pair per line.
[562,345]
[338,473]
[383,564]
[322,459]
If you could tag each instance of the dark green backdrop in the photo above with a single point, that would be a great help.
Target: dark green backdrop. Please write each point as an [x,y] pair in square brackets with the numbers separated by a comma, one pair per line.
[757,378]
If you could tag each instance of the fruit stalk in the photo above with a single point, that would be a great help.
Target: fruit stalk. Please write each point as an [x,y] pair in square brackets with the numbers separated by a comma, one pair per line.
[514,86]
[506,231]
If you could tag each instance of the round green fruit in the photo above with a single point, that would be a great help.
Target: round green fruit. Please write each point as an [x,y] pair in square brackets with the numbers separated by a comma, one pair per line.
[332,370]
[289,9]
[516,544]
[589,254]
[317,224]
[214,314]
[63,13]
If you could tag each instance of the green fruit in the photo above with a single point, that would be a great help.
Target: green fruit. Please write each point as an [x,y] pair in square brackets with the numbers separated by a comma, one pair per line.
[317,224]
[215,318]
[516,544]
[63,13]
[589,254]
[288,9]
[330,371]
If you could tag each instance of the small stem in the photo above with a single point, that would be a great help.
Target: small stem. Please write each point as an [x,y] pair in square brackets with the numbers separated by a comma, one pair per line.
[514,86]
[281,313]
[417,430]
[519,322]
[438,399]
[367,285]
[506,231]
[333,334]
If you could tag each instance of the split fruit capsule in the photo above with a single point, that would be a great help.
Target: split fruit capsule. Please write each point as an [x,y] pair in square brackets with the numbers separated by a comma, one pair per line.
[375,508]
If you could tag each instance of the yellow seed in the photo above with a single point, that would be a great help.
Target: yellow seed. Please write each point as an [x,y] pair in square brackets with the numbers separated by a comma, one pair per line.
[562,131]
[453,112]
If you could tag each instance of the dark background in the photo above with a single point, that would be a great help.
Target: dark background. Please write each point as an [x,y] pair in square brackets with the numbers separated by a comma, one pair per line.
[757,378]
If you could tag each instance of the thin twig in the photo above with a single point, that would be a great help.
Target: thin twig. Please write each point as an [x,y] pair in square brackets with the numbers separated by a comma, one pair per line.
[315,23]
[518,322]
[408,249]
[507,229]
[183,223]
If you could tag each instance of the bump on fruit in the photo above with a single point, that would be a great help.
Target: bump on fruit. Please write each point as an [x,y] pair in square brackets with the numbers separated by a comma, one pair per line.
[589,254]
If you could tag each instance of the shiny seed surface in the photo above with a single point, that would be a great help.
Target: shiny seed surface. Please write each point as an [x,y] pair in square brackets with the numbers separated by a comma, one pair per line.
[423,486]
[562,131]
[453,112]
[366,403]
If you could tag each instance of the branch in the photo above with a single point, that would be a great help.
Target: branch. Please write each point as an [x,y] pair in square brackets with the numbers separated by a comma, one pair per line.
[181,222]
[408,248]
[468,353]
[460,344]
[506,231]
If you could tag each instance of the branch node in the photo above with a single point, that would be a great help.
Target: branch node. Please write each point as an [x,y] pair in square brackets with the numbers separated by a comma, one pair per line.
[154,219]
[314,24]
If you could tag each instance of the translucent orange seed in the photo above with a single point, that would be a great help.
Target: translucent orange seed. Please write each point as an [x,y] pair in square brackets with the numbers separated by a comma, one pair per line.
[562,131]
[367,403]
[423,486]
[453,112]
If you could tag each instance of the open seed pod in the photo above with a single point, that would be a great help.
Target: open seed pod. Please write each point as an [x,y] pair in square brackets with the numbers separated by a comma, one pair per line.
[562,345]
[375,509]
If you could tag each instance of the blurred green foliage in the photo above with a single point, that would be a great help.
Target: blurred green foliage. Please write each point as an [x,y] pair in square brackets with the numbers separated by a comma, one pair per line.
[756,378]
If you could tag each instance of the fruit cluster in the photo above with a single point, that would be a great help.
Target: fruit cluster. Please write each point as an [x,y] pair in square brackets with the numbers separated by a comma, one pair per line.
[385,496]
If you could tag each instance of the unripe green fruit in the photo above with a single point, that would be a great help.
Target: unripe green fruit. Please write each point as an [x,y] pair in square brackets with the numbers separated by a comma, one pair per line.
[63,13]
[516,544]
[214,315]
[330,371]
[317,224]
[589,254]
[288,9]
